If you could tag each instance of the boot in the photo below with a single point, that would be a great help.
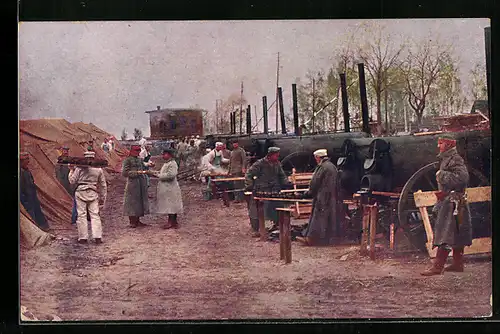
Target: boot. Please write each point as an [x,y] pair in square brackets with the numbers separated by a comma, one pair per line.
[458,263]
[82,241]
[169,223]
[98,240]
[133,222]
[174,221]
[438,266]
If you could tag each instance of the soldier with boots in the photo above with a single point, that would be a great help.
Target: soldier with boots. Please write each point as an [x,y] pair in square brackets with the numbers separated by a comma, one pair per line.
[453,229]
[265,175]
[136,190]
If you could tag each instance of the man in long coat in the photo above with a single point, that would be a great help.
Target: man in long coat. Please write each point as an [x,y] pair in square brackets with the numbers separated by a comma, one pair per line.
[168,192]
[324,190]
[238,167]
[265,175]
[452,229]
[136,190]
[28,193]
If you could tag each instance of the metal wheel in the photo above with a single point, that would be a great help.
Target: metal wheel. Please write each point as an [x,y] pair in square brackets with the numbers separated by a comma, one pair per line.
[425,179]
[302,161]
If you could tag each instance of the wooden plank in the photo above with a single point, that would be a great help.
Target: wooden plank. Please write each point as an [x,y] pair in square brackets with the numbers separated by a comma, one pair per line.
[293,190]
[474,195]
[229,179]
[385,193]
[281,214]
[391,237]
[288,237]
[427,133]
[478,194]
[283,199]
[373,230]
[364,235]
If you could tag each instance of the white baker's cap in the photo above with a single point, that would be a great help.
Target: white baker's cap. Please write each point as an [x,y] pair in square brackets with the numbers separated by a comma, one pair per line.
[321,153]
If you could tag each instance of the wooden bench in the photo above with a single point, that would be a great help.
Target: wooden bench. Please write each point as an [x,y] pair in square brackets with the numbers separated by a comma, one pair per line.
[370,218]
[474,195]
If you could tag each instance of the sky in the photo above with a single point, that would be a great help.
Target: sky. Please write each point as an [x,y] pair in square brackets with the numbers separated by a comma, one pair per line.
[110,73]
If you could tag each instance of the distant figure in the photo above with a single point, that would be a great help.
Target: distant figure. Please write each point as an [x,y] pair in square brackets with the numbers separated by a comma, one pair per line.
[28,193]
[105,146]
[238,168]
[91,191]
[111,143]
[62,175]
[145,155]
[136,190]
[168,193]
[142,141]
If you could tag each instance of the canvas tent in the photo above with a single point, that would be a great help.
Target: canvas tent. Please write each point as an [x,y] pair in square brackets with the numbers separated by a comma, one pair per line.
[41,139]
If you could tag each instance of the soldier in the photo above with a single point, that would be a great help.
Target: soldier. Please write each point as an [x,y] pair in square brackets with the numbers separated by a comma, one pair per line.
[323,189]
[90,191]
[168,193]
[238,167]
[453,229]
[265,175]
[136,191]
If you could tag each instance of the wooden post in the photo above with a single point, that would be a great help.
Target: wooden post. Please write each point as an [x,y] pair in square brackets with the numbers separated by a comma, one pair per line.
[294,181]
[281,215]
[364,235]
[391,237]
[373,229]
[262,222]
[288,237]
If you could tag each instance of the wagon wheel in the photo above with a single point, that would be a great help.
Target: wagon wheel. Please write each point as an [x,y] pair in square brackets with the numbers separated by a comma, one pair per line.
[424,179]
[302,161]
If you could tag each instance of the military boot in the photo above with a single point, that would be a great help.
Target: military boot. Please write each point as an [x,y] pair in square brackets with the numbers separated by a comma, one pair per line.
[174,221]
[439,261]
[458,263]
[169,224]
[132,222]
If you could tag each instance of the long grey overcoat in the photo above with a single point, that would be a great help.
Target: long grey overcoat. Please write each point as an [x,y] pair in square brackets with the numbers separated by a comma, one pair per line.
[136,202]
[168,192]
[453,175]
[270,177]
[324,191]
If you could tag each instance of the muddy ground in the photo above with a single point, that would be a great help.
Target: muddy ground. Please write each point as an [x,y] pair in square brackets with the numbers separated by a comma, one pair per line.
[210,268]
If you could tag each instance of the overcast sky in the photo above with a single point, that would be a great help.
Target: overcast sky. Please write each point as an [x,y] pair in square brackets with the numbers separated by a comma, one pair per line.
[110,73]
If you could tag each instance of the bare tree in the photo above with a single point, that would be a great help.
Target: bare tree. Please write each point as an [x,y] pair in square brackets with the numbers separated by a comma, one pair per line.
[379,54]
[478,89]
[124,135]
[137,134]
[422,68]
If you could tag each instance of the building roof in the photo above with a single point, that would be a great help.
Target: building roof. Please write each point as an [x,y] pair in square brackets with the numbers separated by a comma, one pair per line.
[175,110]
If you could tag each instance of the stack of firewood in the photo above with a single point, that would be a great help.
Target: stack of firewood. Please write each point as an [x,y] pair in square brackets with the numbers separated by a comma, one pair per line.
[81,161]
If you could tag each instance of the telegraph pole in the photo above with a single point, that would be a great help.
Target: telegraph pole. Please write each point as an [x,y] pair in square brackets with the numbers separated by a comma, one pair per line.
[277,85]
[313,118]
[241,109]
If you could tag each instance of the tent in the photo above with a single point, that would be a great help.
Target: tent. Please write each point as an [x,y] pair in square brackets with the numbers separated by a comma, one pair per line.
[42,138]
[31,235]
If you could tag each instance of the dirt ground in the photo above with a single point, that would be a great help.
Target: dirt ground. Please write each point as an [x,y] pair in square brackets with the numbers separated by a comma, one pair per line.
[210,268]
